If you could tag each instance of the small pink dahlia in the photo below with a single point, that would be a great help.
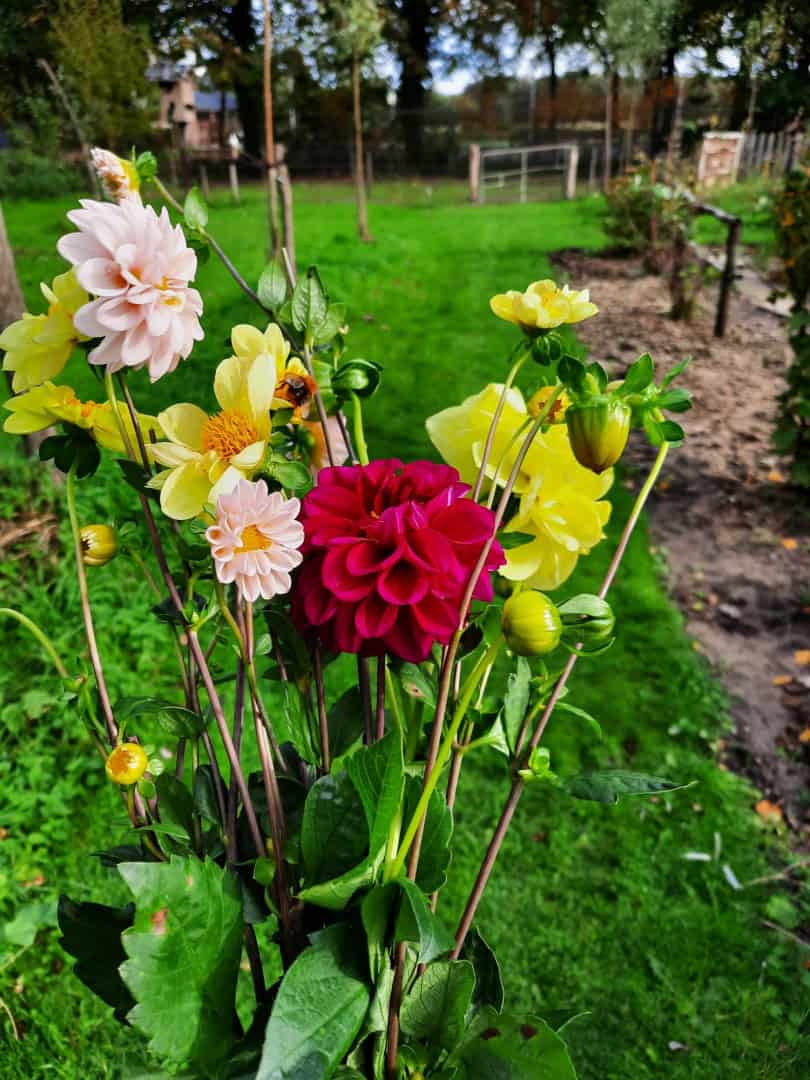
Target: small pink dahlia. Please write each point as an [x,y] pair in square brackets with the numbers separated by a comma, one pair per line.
[138,266]
[256,539]
[389,551]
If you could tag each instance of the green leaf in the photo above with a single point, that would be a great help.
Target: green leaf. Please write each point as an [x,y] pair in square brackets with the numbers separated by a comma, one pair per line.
[434,1009]
[91,934]
[673,373]
[361,377]
[335,319]
[27,922]
[671,432]
[336,893]
[592,722]
[505,1048]
[195,212]
[136,476]
[205,796]
[272,287]
[516,701]
[334,836]
[417,923]
[176,805]
[318,1012]
[378,774]
[572,374]
[676,400]
[309,303]
[509,540]
[345,720]
[436,854]
[538,767]
[76,447]
[639,375]
[610,785]
[183,957]
[488,982]
[173,719]
[294,476]
[417,684]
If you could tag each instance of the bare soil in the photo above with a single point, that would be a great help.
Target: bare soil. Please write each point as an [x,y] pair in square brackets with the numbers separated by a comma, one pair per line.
[734,533]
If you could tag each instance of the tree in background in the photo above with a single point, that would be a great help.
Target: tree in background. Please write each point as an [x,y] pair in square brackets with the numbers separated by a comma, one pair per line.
[358,25]
[103,65]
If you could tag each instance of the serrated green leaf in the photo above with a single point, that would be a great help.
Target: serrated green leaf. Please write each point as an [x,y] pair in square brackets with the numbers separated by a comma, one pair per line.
[335,319]
[176,805]
[334,835]
[335,893]
[434,1009]
[318,1012]
[345,721]
[272,287]
[173,719]
[309,303]
[294,476]
[512,1049]
[377,772]
[91,934]
[435,857]
[516,701]
[610,785]
[183,958]
[418,924]
[417,684]
[195,212]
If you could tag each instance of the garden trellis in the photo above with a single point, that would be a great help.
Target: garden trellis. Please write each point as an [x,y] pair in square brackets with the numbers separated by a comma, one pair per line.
[523,173]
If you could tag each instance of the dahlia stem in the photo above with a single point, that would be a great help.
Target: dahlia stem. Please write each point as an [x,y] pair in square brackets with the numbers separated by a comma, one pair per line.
[446,676]
[496,478]
[233,795]
[496,416]
[359,433]
[517,784]
[41,637]
[380,707]
[113,400]
[84,596]
[167,196]
[364,683]
[432,777]
[323,722]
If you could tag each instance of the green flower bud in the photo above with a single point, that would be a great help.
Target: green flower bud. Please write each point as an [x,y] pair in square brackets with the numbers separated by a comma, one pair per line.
[587,621]
[531,624]
[361,377]
[99,544]
[598,431]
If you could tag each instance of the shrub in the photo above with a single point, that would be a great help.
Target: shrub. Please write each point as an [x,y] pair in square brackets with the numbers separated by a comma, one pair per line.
[24,174]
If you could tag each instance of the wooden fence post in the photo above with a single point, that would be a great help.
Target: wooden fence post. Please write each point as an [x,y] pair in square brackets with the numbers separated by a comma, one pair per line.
[571,175]
[524,164]
[369,172]
[727,279]
[206,191]
[287,220]
[475,173]
[594,154]
[233,178]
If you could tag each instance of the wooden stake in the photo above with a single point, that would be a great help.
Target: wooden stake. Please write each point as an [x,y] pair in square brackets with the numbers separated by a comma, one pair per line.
[269,139]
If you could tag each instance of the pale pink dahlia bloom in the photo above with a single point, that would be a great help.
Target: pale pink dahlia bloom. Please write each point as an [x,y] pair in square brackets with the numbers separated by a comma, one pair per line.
[256,539]
[138,266]
[119,178]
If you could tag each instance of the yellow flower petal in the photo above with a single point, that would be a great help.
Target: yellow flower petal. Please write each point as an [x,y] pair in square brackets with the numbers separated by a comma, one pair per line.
[227,482]
[503,305]
[230,382]
[260,391]
[183,424]
[172,454]
[250,458]
[246,341]
[184,492]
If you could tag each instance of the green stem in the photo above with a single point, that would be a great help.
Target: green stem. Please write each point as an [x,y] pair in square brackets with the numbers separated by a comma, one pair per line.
[113,400]
[84,596]
[446,748]
[357,429]
[496,416]
[396,702]
[41,637]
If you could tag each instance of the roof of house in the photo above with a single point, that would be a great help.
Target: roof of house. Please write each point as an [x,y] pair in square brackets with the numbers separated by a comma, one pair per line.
[211,101]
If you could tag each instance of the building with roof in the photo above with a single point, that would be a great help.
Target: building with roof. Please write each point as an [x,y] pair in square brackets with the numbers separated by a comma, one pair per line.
[198,119]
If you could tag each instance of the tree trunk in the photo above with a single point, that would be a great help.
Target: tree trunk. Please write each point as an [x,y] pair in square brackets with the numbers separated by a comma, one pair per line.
[752,103]
[359,155]
[553,82]
[269,140]
[611,95]
[246,75]
[414,54]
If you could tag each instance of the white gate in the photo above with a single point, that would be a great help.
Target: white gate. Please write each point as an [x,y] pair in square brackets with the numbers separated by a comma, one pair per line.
[523,173]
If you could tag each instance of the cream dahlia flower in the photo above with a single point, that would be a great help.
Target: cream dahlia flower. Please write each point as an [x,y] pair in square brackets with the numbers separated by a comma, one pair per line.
[138,266]
[255,540]
[119,178]
[207,455]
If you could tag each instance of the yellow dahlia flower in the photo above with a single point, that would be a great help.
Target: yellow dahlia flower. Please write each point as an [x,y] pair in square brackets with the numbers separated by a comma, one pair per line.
[48,404]
[207,455]
[38,346]
[561,503]
[543,306]
[294,385]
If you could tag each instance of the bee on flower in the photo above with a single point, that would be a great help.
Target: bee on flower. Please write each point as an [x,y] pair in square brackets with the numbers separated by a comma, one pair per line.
[543,306]
[295,387]
[38,346]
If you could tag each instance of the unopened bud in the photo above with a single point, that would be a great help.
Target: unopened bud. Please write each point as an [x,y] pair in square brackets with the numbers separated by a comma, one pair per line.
[598,431]
[99,544]
[126,764]
[531,623]
[588,621]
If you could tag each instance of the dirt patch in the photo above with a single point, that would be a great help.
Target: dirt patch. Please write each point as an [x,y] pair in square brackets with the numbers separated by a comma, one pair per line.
[735,535]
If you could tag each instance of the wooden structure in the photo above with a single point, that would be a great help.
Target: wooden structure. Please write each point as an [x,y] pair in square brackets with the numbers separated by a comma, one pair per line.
[519,166]
[733,225]
[719,160]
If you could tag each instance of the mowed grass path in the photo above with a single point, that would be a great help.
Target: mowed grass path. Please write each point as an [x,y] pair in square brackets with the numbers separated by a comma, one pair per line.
[591,908]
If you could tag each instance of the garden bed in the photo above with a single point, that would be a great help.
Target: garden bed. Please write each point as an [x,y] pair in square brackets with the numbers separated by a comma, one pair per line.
[734,534]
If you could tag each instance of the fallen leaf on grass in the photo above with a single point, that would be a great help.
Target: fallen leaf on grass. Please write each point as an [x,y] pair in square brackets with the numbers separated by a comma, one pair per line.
[802,657]
[789,543]
[769,811]
[781,680]
[776,477]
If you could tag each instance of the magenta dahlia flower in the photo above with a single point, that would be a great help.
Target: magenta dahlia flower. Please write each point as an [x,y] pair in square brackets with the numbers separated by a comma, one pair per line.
[389,550]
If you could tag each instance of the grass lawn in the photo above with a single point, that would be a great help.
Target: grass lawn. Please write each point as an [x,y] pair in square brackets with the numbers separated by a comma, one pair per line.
[592,908]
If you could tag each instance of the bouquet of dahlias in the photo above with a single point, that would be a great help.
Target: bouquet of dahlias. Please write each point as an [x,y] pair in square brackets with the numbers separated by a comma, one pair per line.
[306,830]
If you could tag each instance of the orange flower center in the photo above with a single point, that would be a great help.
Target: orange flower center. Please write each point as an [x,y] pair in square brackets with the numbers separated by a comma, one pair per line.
[228,433]
[253,540]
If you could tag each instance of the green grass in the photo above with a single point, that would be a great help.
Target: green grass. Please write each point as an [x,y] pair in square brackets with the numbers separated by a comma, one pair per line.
[592,908]
[748,200]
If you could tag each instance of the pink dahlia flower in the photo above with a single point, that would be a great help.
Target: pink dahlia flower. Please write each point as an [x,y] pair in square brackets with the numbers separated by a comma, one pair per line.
[138,266]
[255,540]
[389,551]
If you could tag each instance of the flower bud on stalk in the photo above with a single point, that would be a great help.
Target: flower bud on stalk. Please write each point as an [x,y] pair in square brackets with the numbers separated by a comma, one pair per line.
[99,544]
[598,431]
[587,621]
[531,624]
[126,764]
